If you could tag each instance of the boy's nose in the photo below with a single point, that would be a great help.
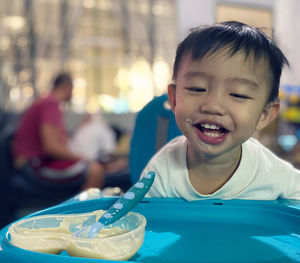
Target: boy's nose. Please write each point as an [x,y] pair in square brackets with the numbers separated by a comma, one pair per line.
[213,104]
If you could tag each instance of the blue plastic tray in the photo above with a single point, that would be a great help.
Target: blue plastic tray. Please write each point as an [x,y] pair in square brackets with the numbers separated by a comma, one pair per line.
[200,231]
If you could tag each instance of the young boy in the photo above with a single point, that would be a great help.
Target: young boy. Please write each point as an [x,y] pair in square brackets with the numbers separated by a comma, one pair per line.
[226,80]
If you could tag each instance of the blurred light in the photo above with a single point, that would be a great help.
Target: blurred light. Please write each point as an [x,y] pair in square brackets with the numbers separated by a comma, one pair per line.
[79,94]
[88,3]
[121,106]
[15,94]
[27,91]
[4,43]
[14,23]
[80,82]
[287,142]
[292,114]
[141,75]
[161,75]
[122,80]
[141,85]
[157,9]
[93,104]
[107,102]
[112,104]
[137,100]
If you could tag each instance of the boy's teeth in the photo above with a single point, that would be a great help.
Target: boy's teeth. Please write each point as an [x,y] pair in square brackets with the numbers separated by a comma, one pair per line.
[210,126]
[211,134]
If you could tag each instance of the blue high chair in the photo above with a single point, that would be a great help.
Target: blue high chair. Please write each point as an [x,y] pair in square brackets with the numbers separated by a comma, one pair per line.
[177,231]
[227,231]
[155,125]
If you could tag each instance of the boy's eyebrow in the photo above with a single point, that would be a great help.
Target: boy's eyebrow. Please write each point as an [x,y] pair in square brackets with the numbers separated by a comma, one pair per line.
[246,81]
[192,74]
[243,81]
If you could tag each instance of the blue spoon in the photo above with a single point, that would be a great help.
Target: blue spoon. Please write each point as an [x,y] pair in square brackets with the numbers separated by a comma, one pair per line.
[121,207]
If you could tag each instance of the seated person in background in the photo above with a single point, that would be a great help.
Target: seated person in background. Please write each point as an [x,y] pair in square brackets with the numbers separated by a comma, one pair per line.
[226,81]
[40,146]
[94,138]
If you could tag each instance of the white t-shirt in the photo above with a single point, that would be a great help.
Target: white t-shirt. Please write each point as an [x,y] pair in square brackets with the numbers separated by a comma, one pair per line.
[261,175]
[94,139]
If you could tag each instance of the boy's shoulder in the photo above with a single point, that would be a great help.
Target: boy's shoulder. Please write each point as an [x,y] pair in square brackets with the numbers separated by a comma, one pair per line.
[175,148]
[177,142]
[254,146]
[255,149]
[170,158]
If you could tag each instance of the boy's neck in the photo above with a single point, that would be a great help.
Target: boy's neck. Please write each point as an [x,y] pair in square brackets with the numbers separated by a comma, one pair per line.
[207,176]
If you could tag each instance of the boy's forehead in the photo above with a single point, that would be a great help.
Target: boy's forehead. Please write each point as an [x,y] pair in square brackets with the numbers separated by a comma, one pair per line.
[255,64]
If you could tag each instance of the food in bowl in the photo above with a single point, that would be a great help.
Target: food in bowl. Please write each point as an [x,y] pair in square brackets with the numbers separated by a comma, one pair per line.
[53,234]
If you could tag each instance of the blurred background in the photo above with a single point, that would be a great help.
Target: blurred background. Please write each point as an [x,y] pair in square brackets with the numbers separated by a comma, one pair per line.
[120,53]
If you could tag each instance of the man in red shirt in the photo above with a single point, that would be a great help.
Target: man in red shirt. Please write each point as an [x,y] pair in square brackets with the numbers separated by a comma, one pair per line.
[41,144]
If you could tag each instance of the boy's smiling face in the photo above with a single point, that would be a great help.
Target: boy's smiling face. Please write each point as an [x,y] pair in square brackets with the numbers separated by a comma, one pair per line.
[219,101]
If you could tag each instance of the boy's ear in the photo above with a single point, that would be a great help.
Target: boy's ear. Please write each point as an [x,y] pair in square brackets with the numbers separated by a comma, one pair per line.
[172,95]
[269,113]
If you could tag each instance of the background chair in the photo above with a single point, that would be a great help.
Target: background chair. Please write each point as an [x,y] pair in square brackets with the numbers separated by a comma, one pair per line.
[155,125]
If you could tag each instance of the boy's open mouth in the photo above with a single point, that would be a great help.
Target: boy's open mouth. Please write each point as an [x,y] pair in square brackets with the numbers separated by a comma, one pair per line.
[211,133]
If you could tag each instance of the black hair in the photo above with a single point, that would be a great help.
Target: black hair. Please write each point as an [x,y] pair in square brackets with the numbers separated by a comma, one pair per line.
[62,78]
[235,37]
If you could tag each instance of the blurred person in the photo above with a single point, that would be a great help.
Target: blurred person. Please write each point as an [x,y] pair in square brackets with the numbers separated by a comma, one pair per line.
[94,138]
[40,145]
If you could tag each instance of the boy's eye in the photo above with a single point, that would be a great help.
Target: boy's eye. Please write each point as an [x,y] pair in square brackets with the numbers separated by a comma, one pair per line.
[196,89]
[239,96]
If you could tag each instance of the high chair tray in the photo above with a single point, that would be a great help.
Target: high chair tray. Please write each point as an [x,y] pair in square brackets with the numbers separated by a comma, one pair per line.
[199,231]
